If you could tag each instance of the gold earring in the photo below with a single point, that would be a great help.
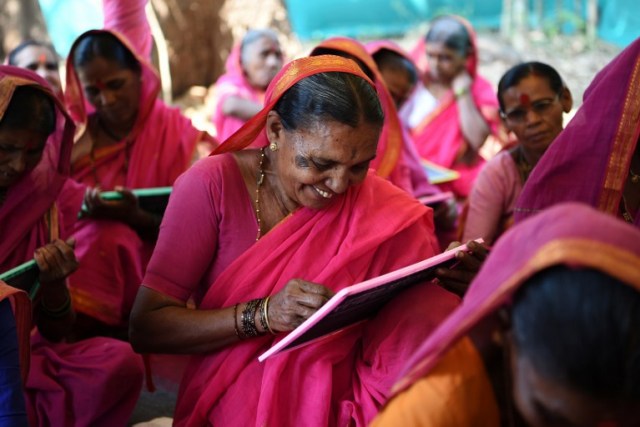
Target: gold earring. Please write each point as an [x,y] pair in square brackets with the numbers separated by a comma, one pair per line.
[273,146]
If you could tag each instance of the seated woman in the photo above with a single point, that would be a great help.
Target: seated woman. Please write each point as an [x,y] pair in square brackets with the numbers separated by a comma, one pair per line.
[532,100]
[454,110]
[396,160]
[523,348]
[88,383]
[396,68]
[596,159]
[40,58]
[261,238]
[239,93]
[128,138]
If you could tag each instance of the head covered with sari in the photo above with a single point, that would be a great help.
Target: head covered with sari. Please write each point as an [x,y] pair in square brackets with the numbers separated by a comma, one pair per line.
[579,239]
[236,80]
[229,386]
[32,196]
[419,56]
[391,139]
[589,161]
[24,223]
[159,132]
[438,136]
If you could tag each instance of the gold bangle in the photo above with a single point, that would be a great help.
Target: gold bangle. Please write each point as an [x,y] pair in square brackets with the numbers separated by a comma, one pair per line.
[265,308]
[57,313]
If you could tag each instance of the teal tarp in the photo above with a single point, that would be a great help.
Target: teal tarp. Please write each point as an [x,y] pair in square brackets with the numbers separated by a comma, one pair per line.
[619,19]
[67,19]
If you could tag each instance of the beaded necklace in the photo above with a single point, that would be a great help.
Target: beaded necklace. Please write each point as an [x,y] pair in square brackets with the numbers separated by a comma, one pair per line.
[259,181]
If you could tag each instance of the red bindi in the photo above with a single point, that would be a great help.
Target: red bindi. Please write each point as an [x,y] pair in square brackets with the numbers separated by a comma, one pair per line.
[42,58]
[525,100]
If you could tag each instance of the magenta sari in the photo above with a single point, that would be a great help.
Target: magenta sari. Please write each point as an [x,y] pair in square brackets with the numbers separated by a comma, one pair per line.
[572,234]
[160,147]
[232,83]
[59,374]
[589,161]
[438,138]
[341,380]
[396,159]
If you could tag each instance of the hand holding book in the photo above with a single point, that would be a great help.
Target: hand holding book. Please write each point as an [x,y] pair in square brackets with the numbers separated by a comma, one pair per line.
[56,261]
[458,278]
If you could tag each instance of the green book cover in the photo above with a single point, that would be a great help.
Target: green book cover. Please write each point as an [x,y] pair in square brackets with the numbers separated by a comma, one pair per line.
[24,277]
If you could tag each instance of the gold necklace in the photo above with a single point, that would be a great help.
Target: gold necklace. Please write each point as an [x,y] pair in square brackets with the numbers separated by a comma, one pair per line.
[635,178]
[259,181]
[523,166]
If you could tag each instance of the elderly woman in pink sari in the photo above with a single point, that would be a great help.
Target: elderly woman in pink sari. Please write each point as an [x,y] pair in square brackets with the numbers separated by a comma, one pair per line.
[533,98]
[88,383]
[523,348]
[596,159]
[454,110]
[271,233]
[127,138]
[396,160]
[239,93]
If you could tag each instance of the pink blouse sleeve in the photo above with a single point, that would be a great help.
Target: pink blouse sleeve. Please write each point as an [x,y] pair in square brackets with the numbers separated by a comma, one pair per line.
[188,239]
[486,203]
[128,17]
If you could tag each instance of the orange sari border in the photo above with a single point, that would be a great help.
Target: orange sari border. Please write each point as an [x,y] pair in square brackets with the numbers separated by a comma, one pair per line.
[625,139]
[290,74]
[619,263]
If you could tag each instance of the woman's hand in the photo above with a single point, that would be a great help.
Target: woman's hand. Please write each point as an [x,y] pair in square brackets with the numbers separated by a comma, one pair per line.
[56,261]
[458,278]
[119,210]
[462,82]
[295,303]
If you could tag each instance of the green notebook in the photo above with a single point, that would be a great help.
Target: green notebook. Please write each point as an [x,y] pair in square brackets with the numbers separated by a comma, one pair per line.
[152,200]
[25,277]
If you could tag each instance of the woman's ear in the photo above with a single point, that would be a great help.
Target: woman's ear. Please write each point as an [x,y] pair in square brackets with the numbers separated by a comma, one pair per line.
[274,127]
[566,99]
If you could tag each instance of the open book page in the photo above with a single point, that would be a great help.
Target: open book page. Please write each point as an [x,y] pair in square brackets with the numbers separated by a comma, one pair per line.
[362,301]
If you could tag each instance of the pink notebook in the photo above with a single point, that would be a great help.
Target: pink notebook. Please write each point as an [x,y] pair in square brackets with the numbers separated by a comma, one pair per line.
[361,301]
[436,198]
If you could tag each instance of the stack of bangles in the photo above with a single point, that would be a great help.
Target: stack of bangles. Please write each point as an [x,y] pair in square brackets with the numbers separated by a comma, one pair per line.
[248,327]
[59,312]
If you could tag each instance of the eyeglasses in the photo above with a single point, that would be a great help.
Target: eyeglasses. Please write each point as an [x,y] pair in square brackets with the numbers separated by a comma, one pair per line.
[519,114]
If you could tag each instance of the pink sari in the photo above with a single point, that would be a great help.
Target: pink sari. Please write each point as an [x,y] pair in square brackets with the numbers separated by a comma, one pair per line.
[589,161]
[572,234]
[59,374]
[342,379]
[439,138]
[396,160]
[232,83]
[160,147]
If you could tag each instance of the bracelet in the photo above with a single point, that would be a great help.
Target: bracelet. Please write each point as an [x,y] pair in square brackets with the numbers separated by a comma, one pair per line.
[458,93]
[266,315]
[249,319]
[57,313]
[235,321]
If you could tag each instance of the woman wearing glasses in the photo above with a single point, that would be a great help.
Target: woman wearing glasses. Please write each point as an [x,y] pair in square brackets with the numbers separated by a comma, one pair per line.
[533,98]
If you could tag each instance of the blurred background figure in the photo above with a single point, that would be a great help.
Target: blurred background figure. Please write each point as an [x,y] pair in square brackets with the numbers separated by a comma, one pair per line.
[250,67]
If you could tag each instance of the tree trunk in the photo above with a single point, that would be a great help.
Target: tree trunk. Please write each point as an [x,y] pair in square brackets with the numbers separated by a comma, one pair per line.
[20,20]
[197,40]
